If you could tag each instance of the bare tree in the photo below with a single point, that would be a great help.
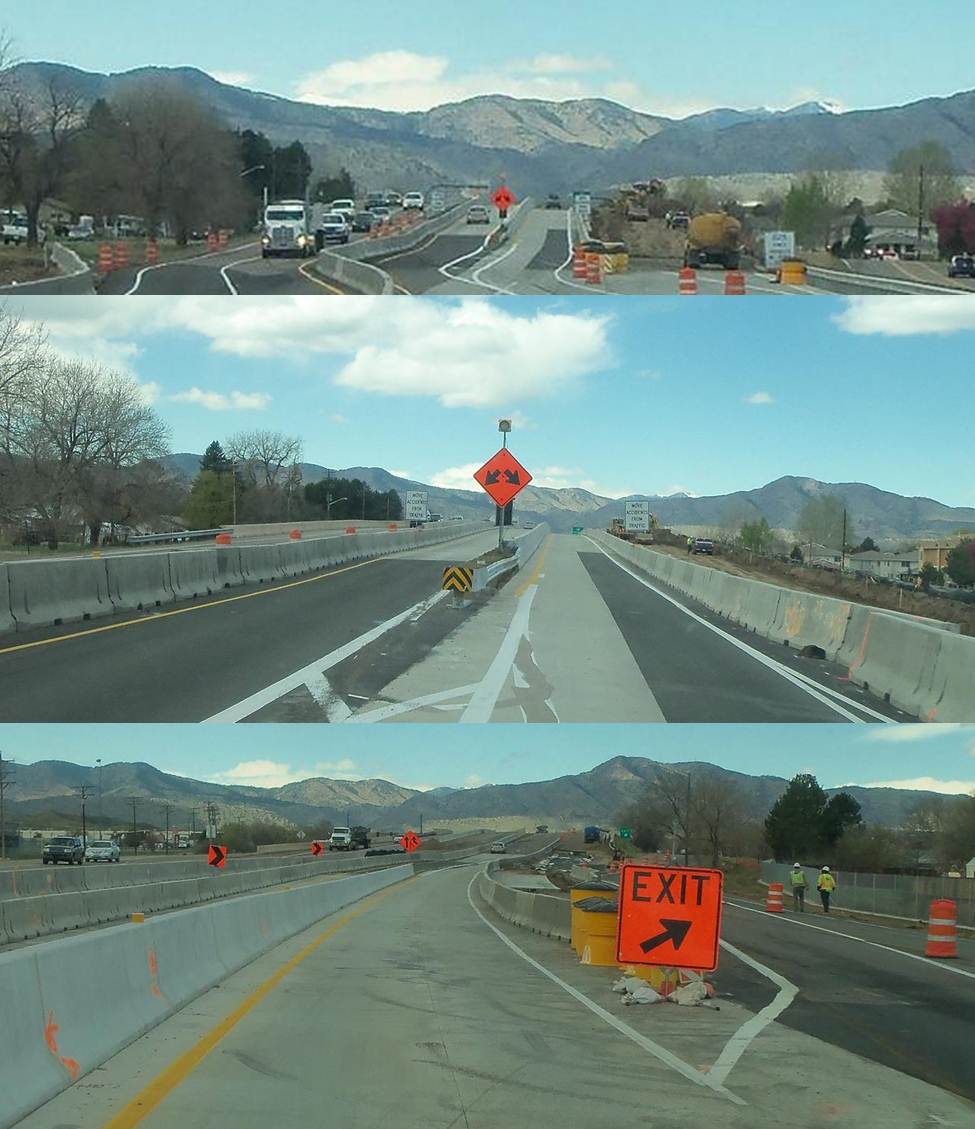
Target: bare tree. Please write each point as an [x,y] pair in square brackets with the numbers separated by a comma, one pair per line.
[718,813]
[267,454]
[21,343]
[37,132]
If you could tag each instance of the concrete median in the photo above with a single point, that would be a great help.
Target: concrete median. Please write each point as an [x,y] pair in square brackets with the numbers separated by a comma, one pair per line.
[133,976]
[47,593]
[136,583]
[194,573]
[7,621]
[542,913]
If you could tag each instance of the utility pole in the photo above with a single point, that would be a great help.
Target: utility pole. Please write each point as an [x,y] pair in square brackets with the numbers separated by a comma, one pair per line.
[167,808]
[83,790]
[101,806]
[6,781]
[843,550]
[920,208]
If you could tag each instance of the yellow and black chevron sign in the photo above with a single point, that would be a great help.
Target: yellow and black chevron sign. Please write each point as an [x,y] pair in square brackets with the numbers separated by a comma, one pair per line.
[456,578]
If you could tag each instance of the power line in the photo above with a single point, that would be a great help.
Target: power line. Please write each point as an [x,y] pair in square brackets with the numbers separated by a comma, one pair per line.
[7,776]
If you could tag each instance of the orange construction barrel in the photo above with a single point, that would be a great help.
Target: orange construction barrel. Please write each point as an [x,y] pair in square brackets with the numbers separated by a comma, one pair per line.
[687,281]
[775,902]
[942,930]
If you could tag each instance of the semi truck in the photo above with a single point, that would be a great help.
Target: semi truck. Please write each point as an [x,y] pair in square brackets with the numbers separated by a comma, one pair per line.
[289,229]
[713,239]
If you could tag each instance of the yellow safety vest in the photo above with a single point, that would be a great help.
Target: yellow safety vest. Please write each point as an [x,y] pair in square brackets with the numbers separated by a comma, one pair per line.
[826,882]
[798,878]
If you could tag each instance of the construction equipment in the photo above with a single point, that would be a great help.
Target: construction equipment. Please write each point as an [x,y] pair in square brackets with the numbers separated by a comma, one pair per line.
[713,239]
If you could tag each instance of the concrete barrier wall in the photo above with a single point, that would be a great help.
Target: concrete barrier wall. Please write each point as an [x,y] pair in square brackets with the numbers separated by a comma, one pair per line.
[45,593]
[131,977]
[102,897]
[541,913]
[923,667]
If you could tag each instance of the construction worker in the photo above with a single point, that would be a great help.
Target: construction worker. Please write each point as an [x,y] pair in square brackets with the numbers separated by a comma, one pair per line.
[690,544]
[799,883]
[826,885]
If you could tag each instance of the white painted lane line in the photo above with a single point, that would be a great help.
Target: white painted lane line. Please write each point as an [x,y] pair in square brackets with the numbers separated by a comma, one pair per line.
[485,697]
[476,276]
[179,262]
[764,660]
[333,707]
[314,670]
[394,709]
[860,940]
[648,1045]
[749,1031]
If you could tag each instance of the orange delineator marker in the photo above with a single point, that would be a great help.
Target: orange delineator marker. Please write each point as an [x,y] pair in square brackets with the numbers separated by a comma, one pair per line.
[942,930]
[774,903]
[734,282]
[688,281]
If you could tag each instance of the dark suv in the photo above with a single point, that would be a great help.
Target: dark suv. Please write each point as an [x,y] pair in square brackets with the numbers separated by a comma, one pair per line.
[962,266]
[704,545]
[63,848]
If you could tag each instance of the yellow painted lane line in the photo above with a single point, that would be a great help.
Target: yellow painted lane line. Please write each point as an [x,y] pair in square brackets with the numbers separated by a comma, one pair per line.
[319,281]
[178,1071]
[183,611]
[536,574]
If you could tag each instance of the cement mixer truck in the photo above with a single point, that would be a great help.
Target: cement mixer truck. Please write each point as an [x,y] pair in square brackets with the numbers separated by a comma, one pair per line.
[713,239]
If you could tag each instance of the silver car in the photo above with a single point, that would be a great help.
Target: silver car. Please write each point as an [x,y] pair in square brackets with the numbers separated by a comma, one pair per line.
[102,850]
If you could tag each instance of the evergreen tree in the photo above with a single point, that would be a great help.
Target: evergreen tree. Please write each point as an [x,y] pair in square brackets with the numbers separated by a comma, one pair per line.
[215,460]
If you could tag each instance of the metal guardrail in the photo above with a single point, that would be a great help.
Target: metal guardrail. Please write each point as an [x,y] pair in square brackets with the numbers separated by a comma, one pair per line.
[869,282]
[181,535]
[525,547]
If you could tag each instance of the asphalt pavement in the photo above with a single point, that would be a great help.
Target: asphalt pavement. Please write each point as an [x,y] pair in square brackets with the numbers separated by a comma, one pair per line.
[419,1008]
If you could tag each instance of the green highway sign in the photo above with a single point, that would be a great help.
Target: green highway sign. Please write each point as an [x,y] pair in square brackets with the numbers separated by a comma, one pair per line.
[626,833]
[577,529]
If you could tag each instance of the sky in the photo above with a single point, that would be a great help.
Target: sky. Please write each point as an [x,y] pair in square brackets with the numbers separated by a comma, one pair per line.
[617,396]
[645,55]
[936,757]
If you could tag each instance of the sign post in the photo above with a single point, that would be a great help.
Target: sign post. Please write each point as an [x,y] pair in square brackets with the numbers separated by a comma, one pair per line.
[669,916]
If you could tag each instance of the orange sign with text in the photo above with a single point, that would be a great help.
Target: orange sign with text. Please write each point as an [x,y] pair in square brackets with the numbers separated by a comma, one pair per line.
[669,915]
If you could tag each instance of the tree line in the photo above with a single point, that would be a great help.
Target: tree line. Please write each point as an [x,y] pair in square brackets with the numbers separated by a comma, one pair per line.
[713,817]
[153,150]
[256,476]
[79,443]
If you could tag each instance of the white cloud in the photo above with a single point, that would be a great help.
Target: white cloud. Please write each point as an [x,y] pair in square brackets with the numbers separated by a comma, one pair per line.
[474,781]
[466,353]
[218,402]
[455,477]
[233,78]
[907,316]
[408,81]
[909,734]
[337,417]
[275,774]
[405,474]
[927,784]
[760,398]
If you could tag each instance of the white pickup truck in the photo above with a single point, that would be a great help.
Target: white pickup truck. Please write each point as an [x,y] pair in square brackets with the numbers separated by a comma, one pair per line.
[14,228]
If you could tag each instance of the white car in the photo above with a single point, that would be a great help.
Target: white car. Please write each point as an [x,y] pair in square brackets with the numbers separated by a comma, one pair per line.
[346,207]
[413,201]
[102,850]
[499,847]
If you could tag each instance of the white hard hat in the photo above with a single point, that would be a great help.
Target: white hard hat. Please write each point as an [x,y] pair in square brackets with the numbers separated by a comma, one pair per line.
[796,866]
[826,868]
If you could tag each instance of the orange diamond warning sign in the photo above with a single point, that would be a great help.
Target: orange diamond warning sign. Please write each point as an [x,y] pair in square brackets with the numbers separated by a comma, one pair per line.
[503,477]
[669,916]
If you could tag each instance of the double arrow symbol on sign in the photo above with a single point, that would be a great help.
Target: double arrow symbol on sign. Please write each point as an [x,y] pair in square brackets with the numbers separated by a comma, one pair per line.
[674,931]
[512,477]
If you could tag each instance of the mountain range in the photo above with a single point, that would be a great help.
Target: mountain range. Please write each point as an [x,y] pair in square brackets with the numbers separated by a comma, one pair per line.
[44,793]
[553,146]
[886,517]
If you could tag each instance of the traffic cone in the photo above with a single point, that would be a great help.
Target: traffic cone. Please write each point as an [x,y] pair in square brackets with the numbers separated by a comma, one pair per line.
[734,283]
[105,258]
[774,903]
[942,930]
[152,251]
[120,256]
[688,281]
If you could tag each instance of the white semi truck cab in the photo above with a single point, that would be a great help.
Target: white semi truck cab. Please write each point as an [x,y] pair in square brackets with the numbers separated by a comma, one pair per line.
[288,229]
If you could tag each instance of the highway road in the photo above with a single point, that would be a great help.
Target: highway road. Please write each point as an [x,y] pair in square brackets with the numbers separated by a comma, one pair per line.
[575,637]
[418,1007]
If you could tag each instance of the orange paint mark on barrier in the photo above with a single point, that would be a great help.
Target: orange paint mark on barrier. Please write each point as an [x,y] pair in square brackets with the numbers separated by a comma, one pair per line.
[296,535]
[861,657]
[351,529]
[154,974]
[51,1030]
[393,526]
[224,538]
